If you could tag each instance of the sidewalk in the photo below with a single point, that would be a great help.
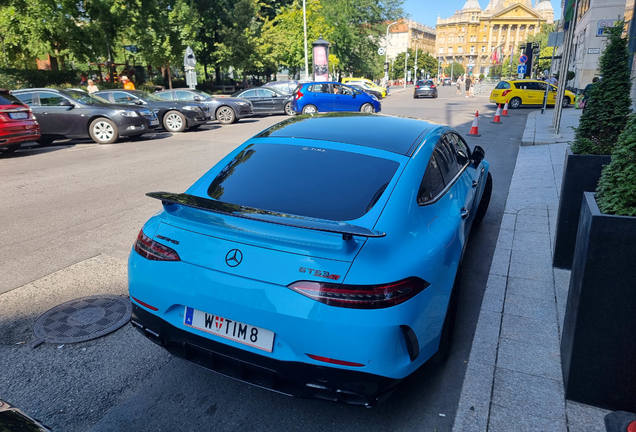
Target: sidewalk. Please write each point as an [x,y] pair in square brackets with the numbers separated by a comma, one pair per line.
[513,380]
[539,128]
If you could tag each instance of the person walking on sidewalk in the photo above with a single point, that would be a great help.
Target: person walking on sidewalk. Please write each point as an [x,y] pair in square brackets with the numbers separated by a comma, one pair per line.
[459,85]
[468,83]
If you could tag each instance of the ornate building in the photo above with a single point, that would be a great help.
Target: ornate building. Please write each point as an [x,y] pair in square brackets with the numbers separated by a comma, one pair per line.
[472,35]
[411,34]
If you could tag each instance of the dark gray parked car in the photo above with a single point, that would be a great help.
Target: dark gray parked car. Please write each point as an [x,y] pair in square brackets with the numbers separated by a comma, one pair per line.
[425,88]
[76,114]
[267,100]
[174,115]
[226,110]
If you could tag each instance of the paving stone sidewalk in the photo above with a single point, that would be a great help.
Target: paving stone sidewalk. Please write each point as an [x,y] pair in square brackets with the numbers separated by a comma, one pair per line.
[513,380]
[539,128]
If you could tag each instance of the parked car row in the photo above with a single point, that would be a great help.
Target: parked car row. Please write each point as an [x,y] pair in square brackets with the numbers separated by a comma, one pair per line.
[45,115]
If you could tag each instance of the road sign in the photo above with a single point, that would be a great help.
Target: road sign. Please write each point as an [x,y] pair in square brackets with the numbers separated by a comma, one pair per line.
[555,39]
[381,51]
[602,25]
[521,69]
[386,67]
[523,59]
[520,75]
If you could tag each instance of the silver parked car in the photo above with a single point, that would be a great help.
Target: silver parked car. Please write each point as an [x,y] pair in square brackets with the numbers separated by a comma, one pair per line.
[226,110]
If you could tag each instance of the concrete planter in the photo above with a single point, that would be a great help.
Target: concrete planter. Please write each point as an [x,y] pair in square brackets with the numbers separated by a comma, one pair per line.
[580,174]
[598,346]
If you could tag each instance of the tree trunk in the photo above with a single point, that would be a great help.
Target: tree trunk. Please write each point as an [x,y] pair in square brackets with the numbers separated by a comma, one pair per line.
[244,78]
[217,72]
[205,71]
[169,76]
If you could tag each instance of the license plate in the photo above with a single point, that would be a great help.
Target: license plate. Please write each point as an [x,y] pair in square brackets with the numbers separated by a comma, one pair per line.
[20,115]
[154,122]
[246,334]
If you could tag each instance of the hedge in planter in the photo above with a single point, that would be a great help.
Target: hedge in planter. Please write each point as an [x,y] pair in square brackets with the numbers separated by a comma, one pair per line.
[600,125]
[598,347]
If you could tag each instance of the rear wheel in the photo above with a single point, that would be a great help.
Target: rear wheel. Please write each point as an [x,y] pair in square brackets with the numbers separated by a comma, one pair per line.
[174,121]
[309,109]
[288,109]
[566,102]
[485,202]
[103,131]
[367,108]
[515,102]
[225,115]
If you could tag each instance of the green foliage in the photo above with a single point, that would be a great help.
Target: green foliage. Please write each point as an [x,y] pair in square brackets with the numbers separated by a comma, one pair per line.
[30,78]
[457,69]
[482,76]
[424,61]
[607,109]
[616,192]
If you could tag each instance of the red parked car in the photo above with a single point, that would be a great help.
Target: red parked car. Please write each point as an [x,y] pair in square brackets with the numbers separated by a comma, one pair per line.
[17,123]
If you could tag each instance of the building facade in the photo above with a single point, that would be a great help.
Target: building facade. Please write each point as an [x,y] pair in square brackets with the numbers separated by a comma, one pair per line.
[410,34]
[472,35]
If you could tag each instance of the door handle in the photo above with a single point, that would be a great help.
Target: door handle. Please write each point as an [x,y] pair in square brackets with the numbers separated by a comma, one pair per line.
[464,213]
[475,183]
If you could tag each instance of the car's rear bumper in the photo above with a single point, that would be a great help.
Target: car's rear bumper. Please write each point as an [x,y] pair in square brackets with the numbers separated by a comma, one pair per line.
[285,377]
[431,92]
[15,138]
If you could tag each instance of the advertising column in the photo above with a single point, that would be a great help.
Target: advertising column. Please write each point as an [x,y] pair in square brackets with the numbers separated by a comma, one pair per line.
[320,50]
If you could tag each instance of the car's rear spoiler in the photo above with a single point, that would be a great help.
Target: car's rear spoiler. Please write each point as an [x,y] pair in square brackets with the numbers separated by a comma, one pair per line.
[214,206]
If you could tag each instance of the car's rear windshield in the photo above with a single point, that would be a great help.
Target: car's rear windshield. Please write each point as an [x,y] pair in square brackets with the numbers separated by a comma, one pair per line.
[503,85]
[304,181]
[7,99]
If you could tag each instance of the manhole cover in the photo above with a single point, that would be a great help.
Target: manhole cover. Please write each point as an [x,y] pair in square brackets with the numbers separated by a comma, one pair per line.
[83,319]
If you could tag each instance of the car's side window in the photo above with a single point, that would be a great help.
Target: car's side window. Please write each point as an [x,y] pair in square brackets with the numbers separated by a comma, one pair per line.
[27,98]
[459,147]
[123,98]
[320,88]
[184,95]
[446,159]
[249,93]
[433,182]
[50,99]
[165,96]
[265,93]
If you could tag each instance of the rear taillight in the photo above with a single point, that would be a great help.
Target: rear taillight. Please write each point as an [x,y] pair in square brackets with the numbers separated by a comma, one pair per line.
[417,87]
[334,361]
[506,92]
[432,85]
[150,249]
[299,95]
[361,296]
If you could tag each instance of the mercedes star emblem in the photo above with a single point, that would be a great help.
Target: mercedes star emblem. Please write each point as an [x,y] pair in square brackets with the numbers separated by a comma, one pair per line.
[233,257]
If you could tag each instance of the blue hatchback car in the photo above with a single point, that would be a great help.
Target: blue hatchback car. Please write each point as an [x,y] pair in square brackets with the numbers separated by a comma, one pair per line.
[318,259]
[321,97]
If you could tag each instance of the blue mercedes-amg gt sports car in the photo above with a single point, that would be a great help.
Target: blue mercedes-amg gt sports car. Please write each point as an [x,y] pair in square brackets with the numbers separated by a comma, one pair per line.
[318,259]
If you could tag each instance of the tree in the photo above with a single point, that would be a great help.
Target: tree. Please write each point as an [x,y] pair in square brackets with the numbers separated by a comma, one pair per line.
[283,36]
[457,69]
[424,62]
[607,109]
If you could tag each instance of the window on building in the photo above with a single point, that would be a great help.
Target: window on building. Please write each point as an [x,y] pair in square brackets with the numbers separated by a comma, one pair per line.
[450,50]
[483,49]
[531,28]
[441,50]
[463,28]
[472,49]
[484,39]
[460,49]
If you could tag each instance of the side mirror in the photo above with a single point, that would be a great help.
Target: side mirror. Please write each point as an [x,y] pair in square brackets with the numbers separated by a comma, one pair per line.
[65,103]
[139,102]
[478,155]
[198,98]
[274,94]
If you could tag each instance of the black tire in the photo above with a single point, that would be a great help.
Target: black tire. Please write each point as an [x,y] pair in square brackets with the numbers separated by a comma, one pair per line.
[414,97]
[435,97]
[174,121]
[515,103]
[45,141]
[288,109]
[367,108]
[310,109]
[225,115]
[566,102]
[103,131]
[448,328]
[484,203]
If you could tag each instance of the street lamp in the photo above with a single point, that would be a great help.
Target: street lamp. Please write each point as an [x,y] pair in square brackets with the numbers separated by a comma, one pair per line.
[386,57]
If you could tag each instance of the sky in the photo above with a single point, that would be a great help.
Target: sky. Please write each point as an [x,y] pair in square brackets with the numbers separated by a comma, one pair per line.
[426,11]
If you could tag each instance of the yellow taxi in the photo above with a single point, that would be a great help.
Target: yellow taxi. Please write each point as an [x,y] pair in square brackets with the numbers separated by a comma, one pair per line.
[367,82]
[526,92]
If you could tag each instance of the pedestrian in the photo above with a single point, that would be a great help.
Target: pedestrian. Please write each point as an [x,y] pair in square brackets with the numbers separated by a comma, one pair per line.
[553,81]
[459,85]
[586,93]
[92,88]
[128,85]
[471,93]
[468,83]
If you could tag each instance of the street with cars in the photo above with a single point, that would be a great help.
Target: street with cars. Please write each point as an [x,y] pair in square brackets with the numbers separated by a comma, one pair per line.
[77,209]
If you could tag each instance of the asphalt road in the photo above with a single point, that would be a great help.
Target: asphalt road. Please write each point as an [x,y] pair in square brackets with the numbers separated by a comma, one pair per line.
[70,213]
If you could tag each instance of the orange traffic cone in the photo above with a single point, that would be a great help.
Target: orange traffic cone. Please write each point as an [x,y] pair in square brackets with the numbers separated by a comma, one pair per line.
[474,130]
[505,110]
[497,118]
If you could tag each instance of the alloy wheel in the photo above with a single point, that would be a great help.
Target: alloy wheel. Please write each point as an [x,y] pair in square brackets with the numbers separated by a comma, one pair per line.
[174,122]
[225,115]
[103,131]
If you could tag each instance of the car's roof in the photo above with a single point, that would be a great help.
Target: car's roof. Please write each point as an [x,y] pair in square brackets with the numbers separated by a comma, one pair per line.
[395,134]
[37,89]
